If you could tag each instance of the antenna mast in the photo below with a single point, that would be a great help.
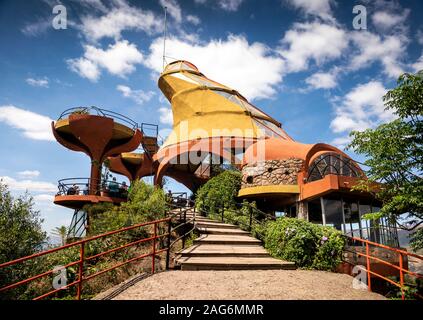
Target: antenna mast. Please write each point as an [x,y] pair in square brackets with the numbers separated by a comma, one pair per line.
[164,36]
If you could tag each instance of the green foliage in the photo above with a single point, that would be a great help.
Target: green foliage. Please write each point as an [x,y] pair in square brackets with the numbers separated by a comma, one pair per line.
[394,152]
[219,191]
[20,235]
[308,245]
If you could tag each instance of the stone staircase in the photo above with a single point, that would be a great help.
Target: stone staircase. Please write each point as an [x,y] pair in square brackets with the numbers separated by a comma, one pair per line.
[223,246]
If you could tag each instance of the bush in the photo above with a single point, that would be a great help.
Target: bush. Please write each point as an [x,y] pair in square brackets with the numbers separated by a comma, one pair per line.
[219,191]
[308,245]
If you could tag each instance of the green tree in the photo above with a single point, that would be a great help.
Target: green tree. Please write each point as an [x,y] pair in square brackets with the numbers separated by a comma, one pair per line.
[394,155]
[20,235]
[60,232]
[219,191]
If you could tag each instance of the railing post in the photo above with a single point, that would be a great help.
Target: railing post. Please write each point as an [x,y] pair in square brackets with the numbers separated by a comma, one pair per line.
[401,275]
[169,230]
[369,285]
[250,210]
[153,261]
[80,271]
[185,221]
[223,212]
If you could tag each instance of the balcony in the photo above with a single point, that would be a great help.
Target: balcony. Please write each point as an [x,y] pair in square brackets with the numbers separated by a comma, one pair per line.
[74,193]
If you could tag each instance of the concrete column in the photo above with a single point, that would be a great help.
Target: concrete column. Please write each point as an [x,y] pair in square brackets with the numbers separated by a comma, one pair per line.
[302,210]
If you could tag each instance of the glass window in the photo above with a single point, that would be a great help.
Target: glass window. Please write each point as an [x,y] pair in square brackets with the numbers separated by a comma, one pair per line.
[352,219]
[333,213]
[364,209]
[315,211]
[331,163]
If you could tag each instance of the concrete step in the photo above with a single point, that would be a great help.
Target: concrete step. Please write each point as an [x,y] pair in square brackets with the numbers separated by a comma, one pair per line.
[205,230]
[214,224]
[234,263]
[226,239]
[210,250]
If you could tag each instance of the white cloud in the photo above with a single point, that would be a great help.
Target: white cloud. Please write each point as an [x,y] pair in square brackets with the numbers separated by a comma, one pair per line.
[85,68]
[121,17]
[361,108]
[341,142]
[32,125]
[418,65]
[319,8]
[139,96]
[193,19]
[173,8]
[119,59]
[37,28]
[44,198]
[29,173]
[166,115]
[37,82]
[322,80]
[386,49]
[385,20]
[419,36]
[312,41]
[230,5]
[28,185]
[252,69]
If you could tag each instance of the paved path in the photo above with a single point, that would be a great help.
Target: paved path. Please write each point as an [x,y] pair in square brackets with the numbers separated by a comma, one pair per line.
[246,284]
[223,246]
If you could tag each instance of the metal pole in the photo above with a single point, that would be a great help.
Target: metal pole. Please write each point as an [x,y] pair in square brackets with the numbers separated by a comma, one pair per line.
[369,285]
[80,271]
[153,264]
[401,276]
[223,213]
[185,221]
[169,229]
[251,217]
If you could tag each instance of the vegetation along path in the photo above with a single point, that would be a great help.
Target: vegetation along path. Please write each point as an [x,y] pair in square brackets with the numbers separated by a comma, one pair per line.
[229,264]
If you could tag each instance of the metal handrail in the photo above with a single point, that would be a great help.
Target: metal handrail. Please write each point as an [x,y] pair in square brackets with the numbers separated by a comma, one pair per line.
[66,185]
[82,259]
[101,112]
[401,253]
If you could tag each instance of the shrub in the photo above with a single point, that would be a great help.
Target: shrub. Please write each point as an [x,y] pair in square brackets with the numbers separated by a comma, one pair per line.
[219,191]
[308,245]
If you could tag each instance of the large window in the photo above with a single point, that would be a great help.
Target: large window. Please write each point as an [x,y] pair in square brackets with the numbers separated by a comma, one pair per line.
[331,163]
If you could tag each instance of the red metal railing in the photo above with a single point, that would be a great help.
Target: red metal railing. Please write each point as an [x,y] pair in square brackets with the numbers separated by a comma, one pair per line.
[399,267]
[82,259]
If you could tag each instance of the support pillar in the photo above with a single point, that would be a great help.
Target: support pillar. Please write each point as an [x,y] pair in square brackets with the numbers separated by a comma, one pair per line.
[302,212]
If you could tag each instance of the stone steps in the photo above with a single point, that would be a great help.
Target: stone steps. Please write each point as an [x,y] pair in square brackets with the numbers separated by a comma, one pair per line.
[224,251]
[234,263]
[224,231]
[226,239]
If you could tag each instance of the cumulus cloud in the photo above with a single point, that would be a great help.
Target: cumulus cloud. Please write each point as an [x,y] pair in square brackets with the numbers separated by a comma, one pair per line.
[138,96]
[119,59]
[173,8]
[193,19]
[312,41]
[319,8]
[252,69]
[28,185]
[31,124]
[322,80]
[43,82]
[360,109]
[119,18]
[166,115]
[371,47]
[418,65]
[386,20]
[230,5]
[29,173]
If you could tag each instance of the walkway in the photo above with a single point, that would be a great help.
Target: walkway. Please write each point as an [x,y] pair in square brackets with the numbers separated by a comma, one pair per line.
[245,285]
[223,246]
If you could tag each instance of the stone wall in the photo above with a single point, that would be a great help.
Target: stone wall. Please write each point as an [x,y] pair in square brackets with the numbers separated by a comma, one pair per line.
[271,172]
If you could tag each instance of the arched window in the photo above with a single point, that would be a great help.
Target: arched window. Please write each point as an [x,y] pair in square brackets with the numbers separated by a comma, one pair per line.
[332,163]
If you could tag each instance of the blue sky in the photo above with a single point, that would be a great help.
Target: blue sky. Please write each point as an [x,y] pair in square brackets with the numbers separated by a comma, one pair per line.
[301,61]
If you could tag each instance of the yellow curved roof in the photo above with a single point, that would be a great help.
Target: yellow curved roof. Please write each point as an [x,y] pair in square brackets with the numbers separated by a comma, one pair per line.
[203,108]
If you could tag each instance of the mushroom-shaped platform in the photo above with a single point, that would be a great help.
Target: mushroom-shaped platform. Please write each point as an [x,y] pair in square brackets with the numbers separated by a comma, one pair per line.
[99,134]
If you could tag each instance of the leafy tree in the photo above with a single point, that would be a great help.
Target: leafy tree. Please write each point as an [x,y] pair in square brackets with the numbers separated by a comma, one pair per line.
[219,191]
[20,226]
[394,155]
[20,235]
[60,232]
